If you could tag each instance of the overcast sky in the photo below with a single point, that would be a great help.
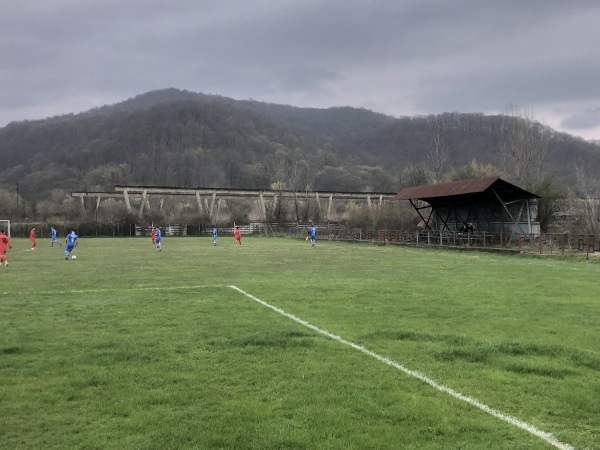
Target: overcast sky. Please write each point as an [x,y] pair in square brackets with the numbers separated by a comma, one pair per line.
[398,57]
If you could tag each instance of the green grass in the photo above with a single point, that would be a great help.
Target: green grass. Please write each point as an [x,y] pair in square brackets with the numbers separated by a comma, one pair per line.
[129,348]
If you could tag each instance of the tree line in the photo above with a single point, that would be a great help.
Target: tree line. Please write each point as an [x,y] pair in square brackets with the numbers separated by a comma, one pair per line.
[179,138]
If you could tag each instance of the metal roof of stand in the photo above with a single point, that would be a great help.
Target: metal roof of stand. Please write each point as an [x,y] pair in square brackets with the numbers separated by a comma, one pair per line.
[446,192]
[461,199]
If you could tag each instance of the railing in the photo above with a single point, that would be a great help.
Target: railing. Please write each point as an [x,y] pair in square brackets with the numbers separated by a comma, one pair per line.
[544,243]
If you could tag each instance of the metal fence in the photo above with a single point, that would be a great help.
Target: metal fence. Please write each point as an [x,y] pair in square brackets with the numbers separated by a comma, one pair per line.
[587,245]
[543,243]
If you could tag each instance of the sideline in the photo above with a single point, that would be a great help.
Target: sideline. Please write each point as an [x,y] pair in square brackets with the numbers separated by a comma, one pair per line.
[547,437]
[99,291]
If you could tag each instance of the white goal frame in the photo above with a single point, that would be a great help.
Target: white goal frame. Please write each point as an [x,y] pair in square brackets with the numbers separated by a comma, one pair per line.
[5,225]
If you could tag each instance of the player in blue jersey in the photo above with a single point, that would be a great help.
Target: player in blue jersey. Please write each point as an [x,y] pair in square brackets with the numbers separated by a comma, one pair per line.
[53,236]
[215,235]
[312,235]
[158,240]
[70,243]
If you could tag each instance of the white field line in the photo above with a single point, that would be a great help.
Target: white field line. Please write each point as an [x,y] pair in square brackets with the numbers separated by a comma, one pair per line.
[547,437]
[100,291]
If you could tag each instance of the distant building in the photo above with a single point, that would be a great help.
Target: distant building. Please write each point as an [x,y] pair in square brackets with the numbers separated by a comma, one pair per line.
[490,204]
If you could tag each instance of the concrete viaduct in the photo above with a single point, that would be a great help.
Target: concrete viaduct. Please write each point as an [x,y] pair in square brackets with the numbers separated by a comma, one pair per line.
[208,200]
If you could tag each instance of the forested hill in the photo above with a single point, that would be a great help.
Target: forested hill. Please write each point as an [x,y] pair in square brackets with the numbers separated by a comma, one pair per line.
[179,138]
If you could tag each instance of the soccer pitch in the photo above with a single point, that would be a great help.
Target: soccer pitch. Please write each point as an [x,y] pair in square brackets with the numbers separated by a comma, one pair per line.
[277,345]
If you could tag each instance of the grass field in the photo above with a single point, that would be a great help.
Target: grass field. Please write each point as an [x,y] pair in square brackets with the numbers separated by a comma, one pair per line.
[128,348]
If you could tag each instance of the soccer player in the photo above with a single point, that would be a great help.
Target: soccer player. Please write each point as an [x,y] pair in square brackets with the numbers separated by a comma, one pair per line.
[158,240]
[53,236]
[312,235]
[215,235]
[70,243]
[153,237]
[237,236]
[32,238]
[4,242]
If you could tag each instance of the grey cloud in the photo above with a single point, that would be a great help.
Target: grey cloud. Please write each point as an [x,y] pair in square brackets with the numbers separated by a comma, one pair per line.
[589,118]
[531,83]
[395,56]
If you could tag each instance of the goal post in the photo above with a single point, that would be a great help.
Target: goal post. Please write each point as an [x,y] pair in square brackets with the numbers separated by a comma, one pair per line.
[5,225]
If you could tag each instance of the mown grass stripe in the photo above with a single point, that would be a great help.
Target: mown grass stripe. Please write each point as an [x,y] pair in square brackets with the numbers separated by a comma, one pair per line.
[547,437]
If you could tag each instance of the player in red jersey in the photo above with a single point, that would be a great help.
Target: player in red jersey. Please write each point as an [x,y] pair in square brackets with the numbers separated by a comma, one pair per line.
[237,236]
[4,243]
[32,238]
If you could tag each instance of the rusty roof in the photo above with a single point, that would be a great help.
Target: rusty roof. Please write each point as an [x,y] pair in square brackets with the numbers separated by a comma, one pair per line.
[462,188]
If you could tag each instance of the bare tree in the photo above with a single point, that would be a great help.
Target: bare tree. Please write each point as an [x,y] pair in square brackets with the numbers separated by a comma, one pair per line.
[412,176]
[292,173]
[438,150]
[473,170]
[278,168]
[523,147]
[588,207]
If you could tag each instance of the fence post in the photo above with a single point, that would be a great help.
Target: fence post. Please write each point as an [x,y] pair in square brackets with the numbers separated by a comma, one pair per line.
[519,242]
[587,246]
[484,240]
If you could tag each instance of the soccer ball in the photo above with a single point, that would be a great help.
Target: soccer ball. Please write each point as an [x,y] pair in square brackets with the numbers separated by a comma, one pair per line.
[73,257]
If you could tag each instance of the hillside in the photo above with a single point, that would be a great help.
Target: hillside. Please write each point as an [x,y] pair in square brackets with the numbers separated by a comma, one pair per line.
[173,137]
